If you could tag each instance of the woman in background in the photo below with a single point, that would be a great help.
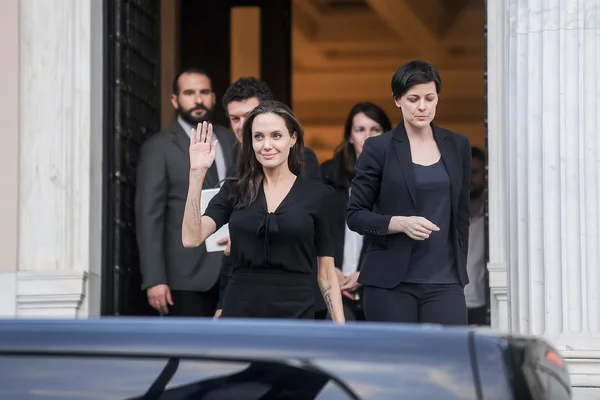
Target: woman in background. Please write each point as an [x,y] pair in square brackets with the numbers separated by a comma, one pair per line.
[365,120]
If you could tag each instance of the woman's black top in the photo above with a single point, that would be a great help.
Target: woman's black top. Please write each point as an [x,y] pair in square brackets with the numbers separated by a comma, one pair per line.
[341,186]
[289,239]
[432,261]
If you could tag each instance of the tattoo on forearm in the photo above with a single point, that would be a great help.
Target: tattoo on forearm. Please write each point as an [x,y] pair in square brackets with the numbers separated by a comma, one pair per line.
[196,212]
[328,300]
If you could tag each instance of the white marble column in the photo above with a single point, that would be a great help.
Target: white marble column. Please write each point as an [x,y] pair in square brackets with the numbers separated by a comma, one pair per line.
[545,174]
[496,95]
[60,158]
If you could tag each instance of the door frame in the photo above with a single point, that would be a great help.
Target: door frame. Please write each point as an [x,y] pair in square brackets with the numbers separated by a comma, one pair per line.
[119,265]
[275,44]
[276,70]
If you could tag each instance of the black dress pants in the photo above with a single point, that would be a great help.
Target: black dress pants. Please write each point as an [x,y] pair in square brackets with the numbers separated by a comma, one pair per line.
[478,316]
[416,303]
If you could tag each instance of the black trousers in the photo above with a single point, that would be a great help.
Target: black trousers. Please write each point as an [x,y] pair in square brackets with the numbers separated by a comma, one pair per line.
[269,294]
[416,303]
[478,316]
[194,304]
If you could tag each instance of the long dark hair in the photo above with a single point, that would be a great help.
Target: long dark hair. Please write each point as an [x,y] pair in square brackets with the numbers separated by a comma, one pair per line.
[345,153]
[250,172]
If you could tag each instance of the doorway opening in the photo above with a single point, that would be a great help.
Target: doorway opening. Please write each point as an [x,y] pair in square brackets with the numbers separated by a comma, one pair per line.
[346,51]
[319,56]
[145,45]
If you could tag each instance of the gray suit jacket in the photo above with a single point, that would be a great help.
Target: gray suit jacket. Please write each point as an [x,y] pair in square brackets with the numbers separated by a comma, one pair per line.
[161,192]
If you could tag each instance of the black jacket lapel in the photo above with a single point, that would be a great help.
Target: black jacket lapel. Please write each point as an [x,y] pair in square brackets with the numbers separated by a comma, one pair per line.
[451,160]
[402,148]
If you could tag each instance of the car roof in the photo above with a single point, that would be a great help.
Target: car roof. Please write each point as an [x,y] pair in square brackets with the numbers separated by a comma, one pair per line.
[197,337]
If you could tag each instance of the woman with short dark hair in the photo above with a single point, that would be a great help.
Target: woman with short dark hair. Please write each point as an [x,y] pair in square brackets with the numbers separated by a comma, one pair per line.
[279,222]
[410,196]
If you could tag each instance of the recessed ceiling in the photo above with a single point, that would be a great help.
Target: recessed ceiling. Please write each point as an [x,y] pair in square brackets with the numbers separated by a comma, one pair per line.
[338,5]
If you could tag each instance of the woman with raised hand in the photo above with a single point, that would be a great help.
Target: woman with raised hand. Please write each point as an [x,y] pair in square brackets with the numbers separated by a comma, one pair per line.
[279,222]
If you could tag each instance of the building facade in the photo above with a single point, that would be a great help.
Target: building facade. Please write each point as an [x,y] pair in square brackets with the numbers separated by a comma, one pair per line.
[543,99]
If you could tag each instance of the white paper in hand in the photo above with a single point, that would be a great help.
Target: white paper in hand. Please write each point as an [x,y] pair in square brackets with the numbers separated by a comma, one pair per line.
[211,242]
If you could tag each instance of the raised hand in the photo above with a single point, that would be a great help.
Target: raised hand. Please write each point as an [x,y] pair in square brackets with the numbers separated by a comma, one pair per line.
[202,149]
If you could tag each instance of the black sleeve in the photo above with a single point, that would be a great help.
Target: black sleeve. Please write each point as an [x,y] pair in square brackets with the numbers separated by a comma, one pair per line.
[363,194]
[312,170]
[464,201]
[324,224]
[220,206]
[150,205]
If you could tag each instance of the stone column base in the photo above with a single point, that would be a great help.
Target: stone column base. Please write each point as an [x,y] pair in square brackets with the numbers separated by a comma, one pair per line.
[46,294]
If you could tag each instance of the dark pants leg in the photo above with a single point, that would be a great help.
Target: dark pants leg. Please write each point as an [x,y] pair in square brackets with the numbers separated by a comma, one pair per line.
[442,304]
[478,316]
[416,303]
[194,304]
[390,305]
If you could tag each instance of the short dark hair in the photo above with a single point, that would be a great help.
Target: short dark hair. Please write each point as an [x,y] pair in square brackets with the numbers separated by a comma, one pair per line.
[193,70]
[477,152]
[414,73]
[245,88]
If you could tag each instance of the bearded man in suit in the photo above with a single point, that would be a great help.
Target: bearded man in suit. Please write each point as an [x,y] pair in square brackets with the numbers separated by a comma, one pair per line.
[178,281]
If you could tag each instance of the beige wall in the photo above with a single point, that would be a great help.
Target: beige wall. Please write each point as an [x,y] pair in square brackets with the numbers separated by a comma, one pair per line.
[9,150]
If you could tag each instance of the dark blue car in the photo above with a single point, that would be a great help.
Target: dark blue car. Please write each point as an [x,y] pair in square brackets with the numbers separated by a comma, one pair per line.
[164,359]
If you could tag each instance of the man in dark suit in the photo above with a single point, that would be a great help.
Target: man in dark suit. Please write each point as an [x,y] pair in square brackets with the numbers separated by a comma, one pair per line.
[239,99]
[178,281]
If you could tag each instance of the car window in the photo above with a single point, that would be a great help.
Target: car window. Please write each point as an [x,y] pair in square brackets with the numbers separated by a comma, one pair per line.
[51,377]
[99,378]
[413,379]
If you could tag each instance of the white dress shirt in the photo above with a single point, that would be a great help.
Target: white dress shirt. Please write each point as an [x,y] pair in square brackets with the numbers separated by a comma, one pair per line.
[353,243]
[475,290]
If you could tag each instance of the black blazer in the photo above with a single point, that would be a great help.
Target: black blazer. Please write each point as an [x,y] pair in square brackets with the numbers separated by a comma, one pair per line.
[161,192]
[328,169]
[384,179]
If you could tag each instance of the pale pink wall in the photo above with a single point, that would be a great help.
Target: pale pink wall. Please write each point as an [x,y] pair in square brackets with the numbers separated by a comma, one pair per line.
[9,153]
